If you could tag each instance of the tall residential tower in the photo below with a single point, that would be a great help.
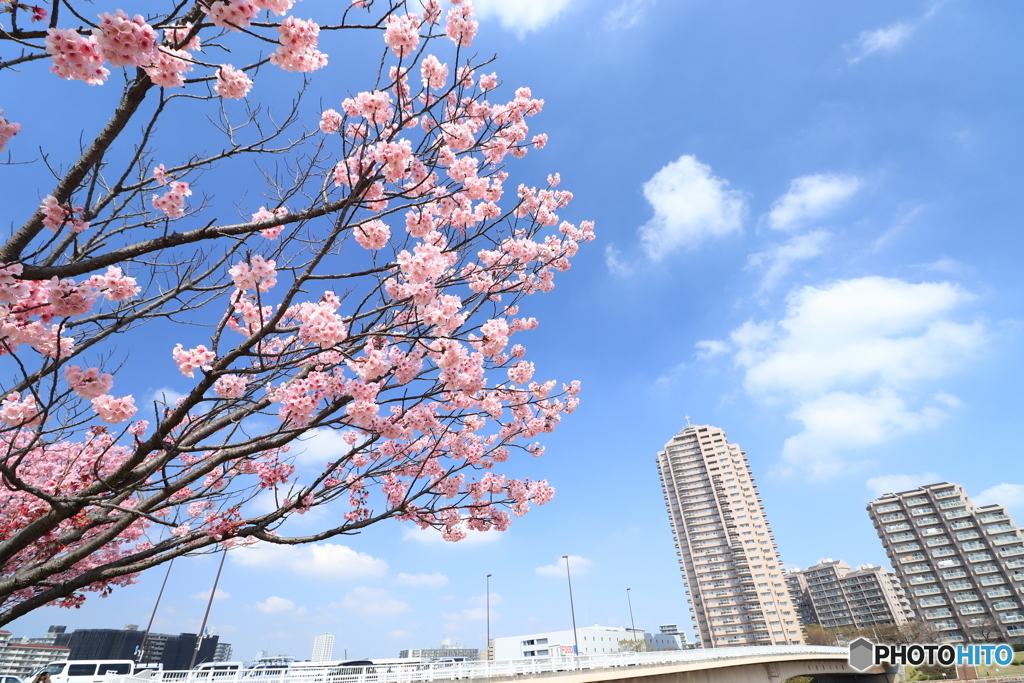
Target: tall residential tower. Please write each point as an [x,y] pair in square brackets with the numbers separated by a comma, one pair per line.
[963,566]
[729,559]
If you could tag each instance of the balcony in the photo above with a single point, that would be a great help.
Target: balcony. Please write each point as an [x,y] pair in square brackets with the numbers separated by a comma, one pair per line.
[1011,552]
[947,504]
[953,514]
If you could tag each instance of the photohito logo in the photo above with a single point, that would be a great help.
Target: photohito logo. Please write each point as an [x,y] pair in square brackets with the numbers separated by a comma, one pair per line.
[864,654]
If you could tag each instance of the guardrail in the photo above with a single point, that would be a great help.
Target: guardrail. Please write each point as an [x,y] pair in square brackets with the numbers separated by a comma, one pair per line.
[447,671]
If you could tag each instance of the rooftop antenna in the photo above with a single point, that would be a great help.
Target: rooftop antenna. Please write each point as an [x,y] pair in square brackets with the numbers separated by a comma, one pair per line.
[687,420]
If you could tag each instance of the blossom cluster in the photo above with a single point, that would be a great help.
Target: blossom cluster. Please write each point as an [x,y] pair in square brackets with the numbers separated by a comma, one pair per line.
[8,130]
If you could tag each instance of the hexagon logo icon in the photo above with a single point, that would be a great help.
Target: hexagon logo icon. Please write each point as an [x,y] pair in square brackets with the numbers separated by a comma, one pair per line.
[862,654]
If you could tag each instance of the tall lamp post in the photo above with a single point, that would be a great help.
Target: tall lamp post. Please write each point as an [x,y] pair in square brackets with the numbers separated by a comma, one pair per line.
[572,607]
[632,624]
[488,617]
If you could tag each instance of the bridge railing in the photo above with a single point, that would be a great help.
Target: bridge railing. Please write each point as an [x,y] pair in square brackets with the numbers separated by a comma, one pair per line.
[446,671]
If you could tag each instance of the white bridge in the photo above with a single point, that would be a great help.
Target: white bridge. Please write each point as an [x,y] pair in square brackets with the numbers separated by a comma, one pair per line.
[733,665]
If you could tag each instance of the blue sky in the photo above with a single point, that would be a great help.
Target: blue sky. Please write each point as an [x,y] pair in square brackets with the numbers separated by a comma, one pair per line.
[809,235]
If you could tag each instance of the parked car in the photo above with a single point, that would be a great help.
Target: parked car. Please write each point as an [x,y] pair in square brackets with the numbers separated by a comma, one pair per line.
[85,670]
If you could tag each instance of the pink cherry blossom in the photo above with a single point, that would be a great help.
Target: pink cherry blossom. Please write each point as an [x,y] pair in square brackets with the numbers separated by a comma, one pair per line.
[259,274]
[461,26]
[159,175]
[434,72]
[230,386]
[298,51]
[172,202]
[372,234]
[330,121]
[189,360]
[55,216]
[169,67]
[88,383]
[174,35]
[278,7]
[232,15]
[7,131]
[402,34]
[124,40]
[114,410]
[75,57]
[16,411]
[488,81]
[232,84]
[115,285]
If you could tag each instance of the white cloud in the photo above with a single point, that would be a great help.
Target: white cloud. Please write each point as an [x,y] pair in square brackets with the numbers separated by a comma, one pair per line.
[709,348]
[615,264]
[370,602]
[690,205]
[164,396]
[521,16]
[811,197]
[481,600]
[885,39]
[399,633]
[431,536]
[275,605]
[780,258]
[852,359]
[205,595]
[1010,495]
[319,446]
[434,579]
[626,15]
[896,483]
[867,330]
[577,565]
[323,561]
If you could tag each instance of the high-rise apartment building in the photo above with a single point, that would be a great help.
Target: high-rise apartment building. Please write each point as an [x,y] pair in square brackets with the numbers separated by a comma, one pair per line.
[323,647]
[730,563]
[834,595]
[962,566]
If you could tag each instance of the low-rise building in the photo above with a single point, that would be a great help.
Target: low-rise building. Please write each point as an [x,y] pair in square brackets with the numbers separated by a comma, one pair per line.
[447,652]
[20,658]
[834,595]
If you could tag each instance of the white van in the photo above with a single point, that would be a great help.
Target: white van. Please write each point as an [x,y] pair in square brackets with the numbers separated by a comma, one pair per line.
[85,670]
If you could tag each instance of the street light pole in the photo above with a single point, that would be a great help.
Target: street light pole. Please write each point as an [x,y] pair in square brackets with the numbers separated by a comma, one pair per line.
[209,604]
[488,617]
[632,624]
[572,607]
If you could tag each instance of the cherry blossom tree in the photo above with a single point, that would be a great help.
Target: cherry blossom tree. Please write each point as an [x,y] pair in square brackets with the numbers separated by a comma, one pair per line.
[369,284]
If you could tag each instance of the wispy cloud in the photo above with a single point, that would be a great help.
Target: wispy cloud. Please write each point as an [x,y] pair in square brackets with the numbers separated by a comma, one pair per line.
[888,38]
[811,197]
[522,16]
[434,579]
[205,595]
[779,259]
[279,606]
[370,602]
[895,483]
[690,205]
[323,561]
[626,15]
[577,565]
[853,360]
[615,264]
[1010,495]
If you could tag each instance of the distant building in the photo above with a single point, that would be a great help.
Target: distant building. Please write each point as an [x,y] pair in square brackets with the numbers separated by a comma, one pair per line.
[323,648]
[834,595]
[669,637]
[20,658]
[173,652]
[725,545]
[962,565]
[592,640]
[103,643]
[447,651]
[223,653]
